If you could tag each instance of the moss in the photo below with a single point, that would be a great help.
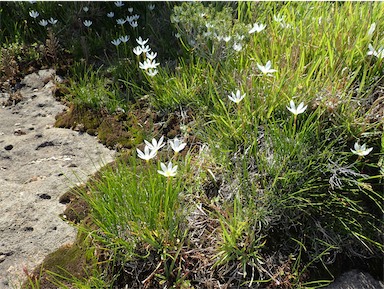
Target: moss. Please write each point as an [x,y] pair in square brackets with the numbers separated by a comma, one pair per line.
[68,261]
[79,117]
[115,131]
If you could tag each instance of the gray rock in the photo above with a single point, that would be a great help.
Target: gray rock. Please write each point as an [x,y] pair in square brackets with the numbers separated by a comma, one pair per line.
[35,170]
[356,279]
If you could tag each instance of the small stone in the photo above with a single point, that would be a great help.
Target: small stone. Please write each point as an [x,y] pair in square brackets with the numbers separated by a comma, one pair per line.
[19,132]
[45,144]
[8,147]
[45,196]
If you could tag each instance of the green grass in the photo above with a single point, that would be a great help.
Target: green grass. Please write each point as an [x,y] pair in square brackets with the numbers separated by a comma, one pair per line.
[262,196]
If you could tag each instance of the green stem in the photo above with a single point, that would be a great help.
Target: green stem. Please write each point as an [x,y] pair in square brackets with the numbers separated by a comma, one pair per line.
[294,125]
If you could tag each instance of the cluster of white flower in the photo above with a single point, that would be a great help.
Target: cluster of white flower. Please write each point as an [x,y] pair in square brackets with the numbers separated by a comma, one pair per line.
[121,39]
[151,149]
[132,20]
[281,20]
[149,64]
[257,28]
[42,22]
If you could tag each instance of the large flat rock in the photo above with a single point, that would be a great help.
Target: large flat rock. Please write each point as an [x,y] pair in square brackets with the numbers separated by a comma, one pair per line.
[38,163]
[356,279]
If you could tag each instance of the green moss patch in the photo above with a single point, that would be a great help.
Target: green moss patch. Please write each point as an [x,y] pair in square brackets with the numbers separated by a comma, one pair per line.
[69,261]
[117,131]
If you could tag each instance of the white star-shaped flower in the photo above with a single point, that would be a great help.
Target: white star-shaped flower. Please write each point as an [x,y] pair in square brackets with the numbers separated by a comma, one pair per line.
[257,28]
[147,154]
[119,4]
[116,42]
[236,97]
[361,150]
[87,23]
[168,171]
[266,69]
[141,42]
[34,14]
[43,22]
[137,50]
[177,145]
[155,145]
[296,110]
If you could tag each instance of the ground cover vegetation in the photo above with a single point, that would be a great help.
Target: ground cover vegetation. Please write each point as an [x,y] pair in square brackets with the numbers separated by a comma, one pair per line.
[250,137]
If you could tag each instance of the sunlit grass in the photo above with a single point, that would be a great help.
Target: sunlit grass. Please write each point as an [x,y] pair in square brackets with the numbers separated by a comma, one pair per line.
[280,93]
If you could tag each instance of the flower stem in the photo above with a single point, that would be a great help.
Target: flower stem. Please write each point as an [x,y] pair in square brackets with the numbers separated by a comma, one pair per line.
[294,124]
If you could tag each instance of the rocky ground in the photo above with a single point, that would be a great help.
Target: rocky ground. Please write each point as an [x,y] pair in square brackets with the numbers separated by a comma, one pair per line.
[38,163]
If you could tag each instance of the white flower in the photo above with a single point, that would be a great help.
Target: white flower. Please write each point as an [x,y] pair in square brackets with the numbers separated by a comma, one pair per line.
[147,64]
[32,2]
[168,171]
[124,38]
[237,46]
[147,154]
[85,9]
[34,14]
[361,150]
[372,28]
[278,18]
[137,50]
[257,28]
[52,21]
[155,145]
[146,48]
[151,7]
[226,38]
[177,145]
[141,42]
[119,4]
[151,55]
[296,110]
[110,14]
[129,18]
[116,42]
[152,72]
[267,68]
[236,98]
[134,24]
[130,9]
[378,53]
[120,21]
[43,22]
[87,23]
[218,37]
[135,17]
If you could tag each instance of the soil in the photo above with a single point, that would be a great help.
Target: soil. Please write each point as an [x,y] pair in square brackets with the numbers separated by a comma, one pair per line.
[38,164]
